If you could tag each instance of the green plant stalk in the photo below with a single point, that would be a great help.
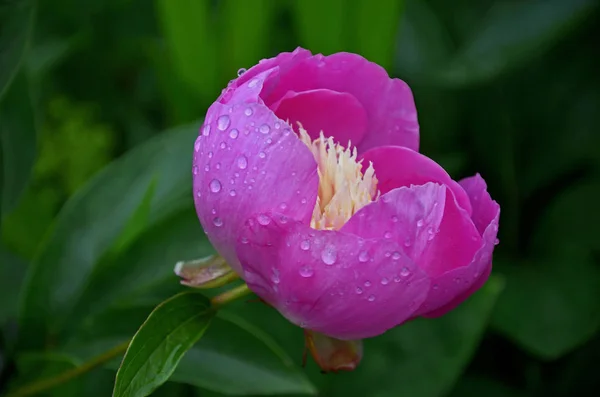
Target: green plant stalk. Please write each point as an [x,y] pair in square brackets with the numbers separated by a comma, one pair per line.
[49,383]
[52,382]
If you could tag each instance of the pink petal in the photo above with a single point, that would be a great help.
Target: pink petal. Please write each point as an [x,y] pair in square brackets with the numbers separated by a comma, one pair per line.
[486,215]
[246,160]
[397,166]
[389,103]
[335,283]
[339,115]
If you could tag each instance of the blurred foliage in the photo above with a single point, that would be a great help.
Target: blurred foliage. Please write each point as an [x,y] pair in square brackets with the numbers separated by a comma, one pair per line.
[99,106]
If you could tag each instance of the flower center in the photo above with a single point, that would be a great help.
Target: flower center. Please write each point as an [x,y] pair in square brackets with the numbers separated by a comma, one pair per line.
[343,187]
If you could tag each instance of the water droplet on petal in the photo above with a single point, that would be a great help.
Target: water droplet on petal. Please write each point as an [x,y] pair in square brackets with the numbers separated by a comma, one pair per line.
[395,255]
[232,193]
[262,155]
[242,162]
[215,186]
[223,122]
[248,112]
[195,170]
[394,219]
[420,223]
[435,286]
[496,242]
[277,125]
[329,255]
[223,145]
[218,166]
[233,134]
[405,272]
[305,245]
[371,298]
[263,219]
[283,206]
[207,168]
[241,71]
[385,281]
[359,290]
[264,129]
[363,256]
[387,235]
[367,283]
[275,276]
[210,155]
[206,130]
[306,271]
[244,240]
[197,145]
[407,242]
[218,222]
[397,279]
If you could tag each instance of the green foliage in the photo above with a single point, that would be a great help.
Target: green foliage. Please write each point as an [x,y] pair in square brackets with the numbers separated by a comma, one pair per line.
[99,103]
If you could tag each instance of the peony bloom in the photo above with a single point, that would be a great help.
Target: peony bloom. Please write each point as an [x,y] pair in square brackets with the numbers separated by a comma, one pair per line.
[307,180]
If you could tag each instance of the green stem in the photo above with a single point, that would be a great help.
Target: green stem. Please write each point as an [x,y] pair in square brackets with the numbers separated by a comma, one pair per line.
[230,296]
[49,383]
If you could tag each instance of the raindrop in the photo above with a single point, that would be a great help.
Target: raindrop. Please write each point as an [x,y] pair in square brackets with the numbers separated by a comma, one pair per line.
[306,271]
[396,255]
[404,272]
[371,298]
[277,125]
[215,186]
[218,166]
[303,201]
[223,122]
[359,290]
[232,193]
[244,240]
[197,145]
[387,235]
[233,134]
[242,162]
[206,130]
[218,222]
[248,112]
[283,206]
[263,219]
[195,170]
[385,281]
[388,254]
[407,242]
[397,279]
[420,223]
[210,155]
[207,168]
[262,155]
[241,71]
[367,283]
[363,256]
[264,129]
[496,242]
[275,276]
[223,145]
[394,219]
[305,245]
[329,255]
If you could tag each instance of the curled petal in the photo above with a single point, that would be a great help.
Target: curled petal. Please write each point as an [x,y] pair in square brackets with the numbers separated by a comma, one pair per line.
[333,355]
[337,114]
[331,282]
[241,157]
[397,166]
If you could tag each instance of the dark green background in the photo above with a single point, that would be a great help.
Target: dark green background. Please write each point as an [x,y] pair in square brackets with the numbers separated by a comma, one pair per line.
[100,101]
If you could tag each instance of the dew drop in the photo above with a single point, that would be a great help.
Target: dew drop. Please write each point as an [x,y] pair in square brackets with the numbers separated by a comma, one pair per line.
[218,222]
[275,276]
[435,286]
[387,235]
[262,155]
[367,283]
[388,254]
[263,219]
[305,245]
[359,290]
[395,255]
[206,130]
[241,71]
[210,155]
[215,186]
[277,125]
[233,134]
[232,193]
[283,206]
[306,271]
[420,223]
[407,242]
[363,256]
[496,242]
[371,298]
[223,145]
[244,240]
[195,170]
[397,279]
[264,129]
[223,122]
[197,145]
[218,166]
[329,255]
[394,219]
[385,281]
[404,272]
[242,162]
[248,112]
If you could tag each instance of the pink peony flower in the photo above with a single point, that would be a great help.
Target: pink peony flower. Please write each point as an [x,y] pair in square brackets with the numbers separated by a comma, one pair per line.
[308,182]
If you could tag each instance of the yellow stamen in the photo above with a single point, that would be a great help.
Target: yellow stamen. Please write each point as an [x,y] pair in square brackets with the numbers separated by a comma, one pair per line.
[343,187]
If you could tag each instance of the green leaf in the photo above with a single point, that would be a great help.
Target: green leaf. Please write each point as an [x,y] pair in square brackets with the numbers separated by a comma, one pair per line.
[238,358]
[551,306]
[423,357]
[12,271]
[155,350]
[375,29]
[246,27]
[321,25]
[476,386]
[16,25]
[93,219]
[571,220]
[17,142]
[512,34]
[189,33]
